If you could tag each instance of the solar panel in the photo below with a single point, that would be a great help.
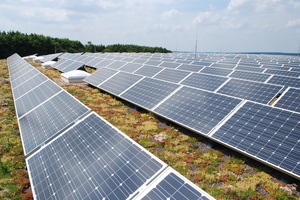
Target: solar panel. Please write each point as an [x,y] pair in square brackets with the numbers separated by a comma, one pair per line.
[93,61]
[32,98]
[197,109]
[290,100]
[192,68]
[252,76]
[249,68]
[116,65]
[73,66]
[28,85]
[172,185]
[223,65]
[17,81]
[149,92]
[282,73]
[103,63]
[204,81]
[153,62]
[169,65]
[267,133]
[201,63]
[49,119]
[59,65]
[100,76]
[50,57]
[130,67]
[139,60]
[147,70]
[216,71]
[120,82]
[171,75]
[258,92]
[285,81]
[92,160]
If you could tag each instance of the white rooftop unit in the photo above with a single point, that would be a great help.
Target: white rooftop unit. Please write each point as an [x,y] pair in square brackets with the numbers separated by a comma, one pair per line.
[75,76]
[48,64]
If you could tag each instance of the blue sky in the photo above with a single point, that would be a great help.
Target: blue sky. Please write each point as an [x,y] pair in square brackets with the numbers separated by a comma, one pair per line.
[223,25]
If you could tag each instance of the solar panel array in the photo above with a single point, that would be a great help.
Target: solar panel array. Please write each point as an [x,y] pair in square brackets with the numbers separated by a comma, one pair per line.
[73,153]
[210,94]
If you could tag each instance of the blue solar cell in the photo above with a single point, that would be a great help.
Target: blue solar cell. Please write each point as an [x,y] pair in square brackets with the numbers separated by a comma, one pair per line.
[73,66]
[285,81]
[18,81]
[282,73]
[192,68]
[130,67]
[49,119]
[258,92]
[100,76]
[28,85]
[149,92]
[267,133]
[249,68]
[92,160]
[252,76]
[169,65]
[120,82]
[216,71]
[116,65]
[32,98]
[148,71]
[171,75]
[197,109]
[290,100]
[204,81]
[173,186]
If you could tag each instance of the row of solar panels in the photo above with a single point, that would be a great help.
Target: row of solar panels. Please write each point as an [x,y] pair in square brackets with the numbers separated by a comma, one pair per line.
[263,132]
[72,153]
[217,60]
[267,77]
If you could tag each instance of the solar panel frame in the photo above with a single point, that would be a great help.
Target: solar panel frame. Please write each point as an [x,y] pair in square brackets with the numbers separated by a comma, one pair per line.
[277,144]
[254,91]
[120,82]
[216,71]
[251,76]
[148,70]
[289,100]
[116,169]
[170,75]
[149,92]
[204,81]
[283,73]
[192,68]
[130,67]
[49,119]
[285,81]
[197,109]
[35,97]
[172,185]
[100,76]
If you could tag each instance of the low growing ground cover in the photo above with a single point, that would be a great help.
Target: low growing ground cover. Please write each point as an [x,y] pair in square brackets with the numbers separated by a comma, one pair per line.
[14,181]
[220,171]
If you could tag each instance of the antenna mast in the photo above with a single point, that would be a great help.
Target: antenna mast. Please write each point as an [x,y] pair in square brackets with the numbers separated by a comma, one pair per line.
[196,41]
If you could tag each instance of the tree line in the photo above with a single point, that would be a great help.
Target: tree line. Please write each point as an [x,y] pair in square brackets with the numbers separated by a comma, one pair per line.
[28,44]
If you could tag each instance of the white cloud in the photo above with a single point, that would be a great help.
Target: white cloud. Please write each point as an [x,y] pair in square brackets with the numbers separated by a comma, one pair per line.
[208,17]
[293,23]
[169,13]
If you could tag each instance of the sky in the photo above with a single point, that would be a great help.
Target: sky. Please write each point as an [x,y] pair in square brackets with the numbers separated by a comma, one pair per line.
[178,25]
